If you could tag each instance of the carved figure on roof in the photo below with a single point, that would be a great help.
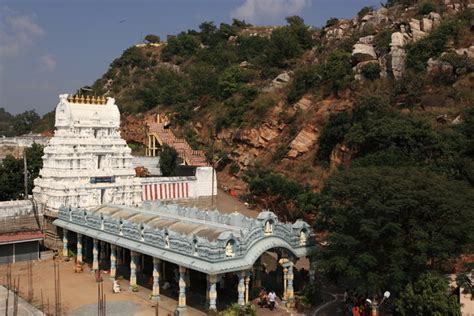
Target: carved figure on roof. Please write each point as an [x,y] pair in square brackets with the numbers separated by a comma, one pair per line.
[303,238]
[229,249]
[167,240]
[268,228]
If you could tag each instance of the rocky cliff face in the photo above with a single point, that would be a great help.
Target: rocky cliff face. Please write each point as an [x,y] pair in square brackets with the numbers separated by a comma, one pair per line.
[285,138]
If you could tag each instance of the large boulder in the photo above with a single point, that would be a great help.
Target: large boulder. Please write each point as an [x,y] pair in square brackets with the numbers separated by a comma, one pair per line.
[416,32]
[363,52]
[397,62]
[426,25]
[398,39]
[436,66]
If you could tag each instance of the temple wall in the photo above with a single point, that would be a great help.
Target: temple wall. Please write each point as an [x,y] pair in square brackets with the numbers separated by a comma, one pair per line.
[17,216]
[180,188]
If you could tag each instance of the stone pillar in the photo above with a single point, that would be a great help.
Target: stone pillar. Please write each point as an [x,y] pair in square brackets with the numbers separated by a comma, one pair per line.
[212,279]
[113,261]
[285,280]
[79,248]
[133,269]
[156,279]
[289,291]
[241,288]
[65,241]
[247,282]
[95,254]
[182,291]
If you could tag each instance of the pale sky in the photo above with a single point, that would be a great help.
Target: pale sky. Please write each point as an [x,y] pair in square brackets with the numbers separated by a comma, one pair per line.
[50,47]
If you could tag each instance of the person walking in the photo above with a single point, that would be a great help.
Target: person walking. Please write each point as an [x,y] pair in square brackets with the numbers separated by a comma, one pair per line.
[271,299]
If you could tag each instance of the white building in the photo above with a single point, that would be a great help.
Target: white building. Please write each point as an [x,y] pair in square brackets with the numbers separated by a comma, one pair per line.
[86,163]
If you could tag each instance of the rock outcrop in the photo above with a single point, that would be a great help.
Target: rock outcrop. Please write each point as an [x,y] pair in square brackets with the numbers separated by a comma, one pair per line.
[304,141]
[363,52]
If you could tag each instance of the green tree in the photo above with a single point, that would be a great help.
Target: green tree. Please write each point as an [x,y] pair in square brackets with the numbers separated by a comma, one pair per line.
[168,161]
[283,46]
[386,226]
[11,179]
[338,70]
[302,31]
[332,134]
[152,38]
[371,71]
[12,173]
[6,123]
[428,295]
[25,122]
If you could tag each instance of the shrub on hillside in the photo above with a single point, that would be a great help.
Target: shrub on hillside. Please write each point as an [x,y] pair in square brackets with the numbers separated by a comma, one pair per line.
[427,7]
[371,71]
[431,46]
[332,22]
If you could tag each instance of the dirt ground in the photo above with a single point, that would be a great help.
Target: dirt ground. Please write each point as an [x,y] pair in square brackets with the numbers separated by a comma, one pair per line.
[79,292]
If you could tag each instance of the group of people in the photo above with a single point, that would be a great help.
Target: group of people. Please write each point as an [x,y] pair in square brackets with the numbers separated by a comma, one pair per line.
[267,300]
[356,305]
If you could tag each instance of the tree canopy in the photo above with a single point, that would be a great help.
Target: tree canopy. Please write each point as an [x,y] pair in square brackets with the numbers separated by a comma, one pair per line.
[168,161]
[428,295]
[12,172]
[388,225]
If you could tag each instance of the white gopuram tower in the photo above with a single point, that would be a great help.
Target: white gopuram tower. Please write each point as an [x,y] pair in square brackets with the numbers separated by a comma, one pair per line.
[86,163]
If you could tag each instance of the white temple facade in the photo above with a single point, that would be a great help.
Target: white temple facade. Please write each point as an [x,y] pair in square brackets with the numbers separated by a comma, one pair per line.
[86,163]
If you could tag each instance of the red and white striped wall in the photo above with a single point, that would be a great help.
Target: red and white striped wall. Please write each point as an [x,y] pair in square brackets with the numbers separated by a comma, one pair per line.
[165,191]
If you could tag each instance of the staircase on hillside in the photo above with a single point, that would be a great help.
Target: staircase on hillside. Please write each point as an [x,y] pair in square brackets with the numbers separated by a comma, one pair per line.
[159,133]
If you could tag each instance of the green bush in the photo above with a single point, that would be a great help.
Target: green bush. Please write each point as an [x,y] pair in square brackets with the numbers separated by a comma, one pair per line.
[332,134]
[459,61]
[382,41]
[364,11]
[280,153]
[332,22]
[431,46]
[371,71]
[237,310]
[426,8]
[234,168]
[168,161]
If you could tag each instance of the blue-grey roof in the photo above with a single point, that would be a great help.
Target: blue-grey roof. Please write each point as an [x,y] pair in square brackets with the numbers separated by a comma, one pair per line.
[197,239]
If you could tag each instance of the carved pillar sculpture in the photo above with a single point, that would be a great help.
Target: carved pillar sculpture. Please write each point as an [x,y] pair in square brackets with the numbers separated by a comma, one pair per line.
[79,248]
[212,292]
[133,269]
[247,282]
[289,291]
[95,254]
[241,288]
[113,261]
[285,280]
[182,291]
[65,241]
[156,279]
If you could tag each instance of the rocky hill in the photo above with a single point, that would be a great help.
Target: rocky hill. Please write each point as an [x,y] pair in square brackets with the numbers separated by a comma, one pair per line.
[392,86]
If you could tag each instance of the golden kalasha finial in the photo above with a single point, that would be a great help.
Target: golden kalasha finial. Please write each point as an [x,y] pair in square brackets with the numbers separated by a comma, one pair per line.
[93,100]
[81,99]
[102,100]
[88,99]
